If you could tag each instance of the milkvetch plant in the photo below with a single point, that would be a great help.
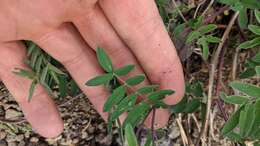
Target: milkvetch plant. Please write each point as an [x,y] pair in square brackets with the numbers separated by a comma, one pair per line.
[120,102]
[47,72]
[244,124]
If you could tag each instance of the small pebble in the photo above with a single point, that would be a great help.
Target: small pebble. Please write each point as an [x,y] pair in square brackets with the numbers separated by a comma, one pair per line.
[12,114]
[12,144]
[34,139]
[21,143]
[19,137]
[2,135]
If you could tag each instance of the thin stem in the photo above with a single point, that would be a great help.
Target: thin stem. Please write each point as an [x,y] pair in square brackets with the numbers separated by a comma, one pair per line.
[208,7]
[179,11]
[213,65]
[219,80]
[198,7]
[120,131]
[152,125]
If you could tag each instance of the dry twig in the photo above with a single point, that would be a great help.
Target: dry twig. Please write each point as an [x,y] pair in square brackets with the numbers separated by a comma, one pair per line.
[213,66]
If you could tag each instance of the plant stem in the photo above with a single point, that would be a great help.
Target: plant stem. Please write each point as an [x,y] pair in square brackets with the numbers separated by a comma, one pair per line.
[152,126]
[213,65]
[179,11]
[219,80]
[120,131]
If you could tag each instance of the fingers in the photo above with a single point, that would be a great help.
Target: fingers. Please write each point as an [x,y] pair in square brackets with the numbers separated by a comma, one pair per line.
[98,32]
[139,24]
[66,45]
[41,112]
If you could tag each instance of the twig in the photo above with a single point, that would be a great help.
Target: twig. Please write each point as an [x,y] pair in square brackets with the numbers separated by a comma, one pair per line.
[219,80]
[179,11]
[183,134]
[213,65]
[72,99]
[208,7]
[19,121]
[197,9]
[196,121]
[213,114]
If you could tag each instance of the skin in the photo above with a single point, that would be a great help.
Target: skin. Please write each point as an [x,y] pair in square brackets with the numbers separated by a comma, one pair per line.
[131,31]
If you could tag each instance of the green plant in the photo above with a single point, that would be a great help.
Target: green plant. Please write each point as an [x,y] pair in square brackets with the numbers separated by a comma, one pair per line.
[242,6]
[252,67]
[46,71]
[120,102]
[192,101]
[202,35]
[255,29]
[244,124]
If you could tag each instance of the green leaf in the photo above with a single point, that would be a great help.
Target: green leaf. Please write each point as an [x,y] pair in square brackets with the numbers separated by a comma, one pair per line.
[257,69]
[242,18]
[130,136]
[246,120]
[205,48]
[228,2]
[196,23]
[251,4]
[135,80]
[31,48]
[232,122]
[44,74]
[207,28]
[248,89]
[123,106]
[179,29]
[56,70]
[31,90]
[136,115]
[178,108]
[234,99]
[124,70]
[192,106]
[256,125]
[55,77]
[234,136]
[193,36]
[104,60]
[63,86]
[34,57]
[116,96]
[247,73]
[212,39]
[159,95]
[254,28]
[38,65]
[99,80]
[74,89]
[147,89]
[257,15]
[24,73]
[250,44]
[195,89]
[149,139]
[256,58]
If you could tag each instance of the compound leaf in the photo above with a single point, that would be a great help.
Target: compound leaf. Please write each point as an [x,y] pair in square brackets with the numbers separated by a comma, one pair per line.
[99,80]
[104,60]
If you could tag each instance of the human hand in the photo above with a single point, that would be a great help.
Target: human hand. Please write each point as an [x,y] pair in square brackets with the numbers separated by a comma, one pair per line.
[131,32]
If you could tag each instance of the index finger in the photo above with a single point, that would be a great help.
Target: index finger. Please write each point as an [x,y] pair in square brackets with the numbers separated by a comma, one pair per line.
[140,26]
